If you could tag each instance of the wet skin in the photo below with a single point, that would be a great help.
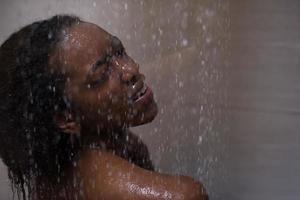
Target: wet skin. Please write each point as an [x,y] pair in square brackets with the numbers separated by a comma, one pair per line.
[104,81]
[107,91]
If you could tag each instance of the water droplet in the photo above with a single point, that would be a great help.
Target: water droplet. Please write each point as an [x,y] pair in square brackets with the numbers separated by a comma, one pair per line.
[184,42]
[208,40]
[50,35]
[199,140]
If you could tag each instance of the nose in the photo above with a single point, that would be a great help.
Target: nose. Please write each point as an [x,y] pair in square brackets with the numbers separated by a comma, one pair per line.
[130,71]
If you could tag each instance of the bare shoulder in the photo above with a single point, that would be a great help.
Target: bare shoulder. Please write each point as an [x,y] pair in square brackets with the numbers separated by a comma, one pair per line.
[106,176]
[130,147]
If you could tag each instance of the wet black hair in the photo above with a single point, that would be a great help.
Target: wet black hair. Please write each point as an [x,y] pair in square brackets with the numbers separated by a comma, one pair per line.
[30,94]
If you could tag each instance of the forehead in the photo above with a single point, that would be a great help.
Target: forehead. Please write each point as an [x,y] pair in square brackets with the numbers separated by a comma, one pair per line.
[82,34]
[84,40]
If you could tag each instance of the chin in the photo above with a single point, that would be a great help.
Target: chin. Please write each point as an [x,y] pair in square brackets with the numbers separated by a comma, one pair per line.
[144,118]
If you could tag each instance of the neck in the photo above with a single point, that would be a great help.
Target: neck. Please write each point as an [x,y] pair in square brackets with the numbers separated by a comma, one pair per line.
[96,135]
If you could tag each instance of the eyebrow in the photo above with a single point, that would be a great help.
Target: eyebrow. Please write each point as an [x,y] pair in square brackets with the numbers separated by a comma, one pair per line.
[116,43]
[100,61]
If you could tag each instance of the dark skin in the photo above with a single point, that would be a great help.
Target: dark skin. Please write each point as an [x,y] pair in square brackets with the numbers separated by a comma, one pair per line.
[104,85]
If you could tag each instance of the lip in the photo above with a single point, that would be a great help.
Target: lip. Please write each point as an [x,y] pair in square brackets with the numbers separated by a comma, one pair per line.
[146,97]
[136,88]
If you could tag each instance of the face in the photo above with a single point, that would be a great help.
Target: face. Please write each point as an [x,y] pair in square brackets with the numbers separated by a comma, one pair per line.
[104,84]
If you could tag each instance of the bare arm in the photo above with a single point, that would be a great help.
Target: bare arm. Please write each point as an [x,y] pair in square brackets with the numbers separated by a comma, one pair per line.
[106,176]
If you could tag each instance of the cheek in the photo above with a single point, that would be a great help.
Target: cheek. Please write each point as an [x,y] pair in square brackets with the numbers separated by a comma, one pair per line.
[115,91]
[109,97]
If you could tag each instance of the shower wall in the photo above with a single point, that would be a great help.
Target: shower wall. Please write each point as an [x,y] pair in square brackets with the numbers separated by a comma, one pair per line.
[264,100]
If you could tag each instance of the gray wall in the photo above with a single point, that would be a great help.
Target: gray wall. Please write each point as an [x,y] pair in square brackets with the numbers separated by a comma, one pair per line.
[264,100]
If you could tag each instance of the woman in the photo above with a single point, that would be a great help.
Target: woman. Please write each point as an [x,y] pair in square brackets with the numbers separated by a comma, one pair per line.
[69,93]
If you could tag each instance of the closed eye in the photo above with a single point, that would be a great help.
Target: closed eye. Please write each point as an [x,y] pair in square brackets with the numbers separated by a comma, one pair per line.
[99,63]
[98,77]
[98,72]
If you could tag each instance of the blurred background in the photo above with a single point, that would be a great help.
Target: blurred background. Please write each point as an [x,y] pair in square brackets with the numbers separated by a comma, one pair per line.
[225,76]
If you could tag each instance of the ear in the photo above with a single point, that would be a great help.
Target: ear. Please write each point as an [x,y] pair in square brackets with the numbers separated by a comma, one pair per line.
[66,123]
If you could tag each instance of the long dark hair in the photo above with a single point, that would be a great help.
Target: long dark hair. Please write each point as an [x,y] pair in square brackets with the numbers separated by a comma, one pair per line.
[31,145]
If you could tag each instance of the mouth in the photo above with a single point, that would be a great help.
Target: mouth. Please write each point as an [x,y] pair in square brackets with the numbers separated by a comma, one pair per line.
[139,94]
[142,95]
